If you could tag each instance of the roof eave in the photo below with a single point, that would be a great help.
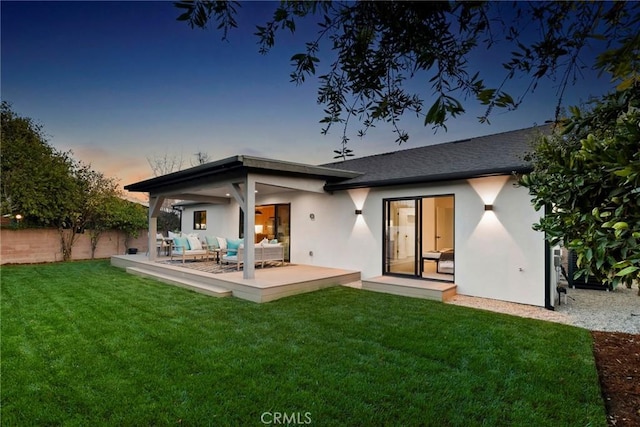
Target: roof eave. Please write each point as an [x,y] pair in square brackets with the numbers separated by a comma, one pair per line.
[239,165]
[452,176]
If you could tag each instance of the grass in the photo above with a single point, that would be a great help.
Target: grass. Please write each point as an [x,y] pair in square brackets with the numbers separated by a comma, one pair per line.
[85,343]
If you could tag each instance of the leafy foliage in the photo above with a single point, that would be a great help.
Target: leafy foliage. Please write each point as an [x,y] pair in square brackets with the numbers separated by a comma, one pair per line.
[378,47]
[587,175]
[50,188]
[102,197]
[37,180]
[168,221]
[130,218]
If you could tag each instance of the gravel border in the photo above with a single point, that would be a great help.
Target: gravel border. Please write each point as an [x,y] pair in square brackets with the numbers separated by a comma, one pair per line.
[615,311]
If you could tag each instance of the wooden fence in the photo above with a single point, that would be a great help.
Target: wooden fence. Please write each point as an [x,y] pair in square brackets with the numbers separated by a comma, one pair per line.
[28,246]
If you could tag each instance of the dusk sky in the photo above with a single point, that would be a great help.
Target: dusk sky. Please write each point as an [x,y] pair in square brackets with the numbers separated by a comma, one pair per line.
[117,82]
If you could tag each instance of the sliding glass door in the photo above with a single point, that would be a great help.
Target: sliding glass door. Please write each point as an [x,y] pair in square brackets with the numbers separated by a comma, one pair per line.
[419,237]
[272,222]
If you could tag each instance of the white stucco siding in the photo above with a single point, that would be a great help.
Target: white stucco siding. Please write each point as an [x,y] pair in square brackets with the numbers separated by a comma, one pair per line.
[222,220]
[334,237]
[497,253]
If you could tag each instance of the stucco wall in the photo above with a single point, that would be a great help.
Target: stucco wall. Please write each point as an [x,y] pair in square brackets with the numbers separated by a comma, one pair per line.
[30,246]
[498,254]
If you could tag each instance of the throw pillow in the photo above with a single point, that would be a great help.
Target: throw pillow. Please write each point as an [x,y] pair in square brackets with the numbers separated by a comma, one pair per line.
[273,241]
[194,243]
[233,245]
[181,243]
[222,242]
[212,242]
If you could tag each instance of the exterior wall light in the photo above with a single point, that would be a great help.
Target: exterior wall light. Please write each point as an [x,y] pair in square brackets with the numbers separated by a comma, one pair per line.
[358,211]
[488,207]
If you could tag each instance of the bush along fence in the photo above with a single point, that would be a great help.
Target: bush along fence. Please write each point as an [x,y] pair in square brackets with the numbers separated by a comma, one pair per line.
[37,245]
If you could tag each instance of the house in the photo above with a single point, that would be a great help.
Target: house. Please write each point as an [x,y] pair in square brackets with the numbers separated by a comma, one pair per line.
[450,213]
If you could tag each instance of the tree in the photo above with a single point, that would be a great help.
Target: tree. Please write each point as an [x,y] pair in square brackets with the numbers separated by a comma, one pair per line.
[102,196]
[130,218]
[587,174]
[163,165]
[168,220]
[89,193]
[378,47]
[50,188]
[37,179]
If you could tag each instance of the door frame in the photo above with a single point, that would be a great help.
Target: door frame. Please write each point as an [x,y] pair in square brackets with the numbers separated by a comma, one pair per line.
[418,267]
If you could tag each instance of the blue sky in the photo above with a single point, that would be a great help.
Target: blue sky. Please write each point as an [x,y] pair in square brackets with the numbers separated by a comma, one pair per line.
[118,82]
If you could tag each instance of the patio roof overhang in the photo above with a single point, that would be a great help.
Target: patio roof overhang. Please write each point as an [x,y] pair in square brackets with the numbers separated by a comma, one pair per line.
[234,169]
[239,177]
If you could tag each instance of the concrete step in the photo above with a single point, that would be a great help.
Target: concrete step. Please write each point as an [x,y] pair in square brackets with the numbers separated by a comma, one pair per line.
[196,286]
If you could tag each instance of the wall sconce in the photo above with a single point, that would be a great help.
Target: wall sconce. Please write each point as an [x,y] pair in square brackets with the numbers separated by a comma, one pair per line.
[488,207]
[358,211]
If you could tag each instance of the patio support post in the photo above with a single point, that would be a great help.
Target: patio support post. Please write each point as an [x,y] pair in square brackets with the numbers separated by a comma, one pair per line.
[248,270]
[247,202]
[155,203]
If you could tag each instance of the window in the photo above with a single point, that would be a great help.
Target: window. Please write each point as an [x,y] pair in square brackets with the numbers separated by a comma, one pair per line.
[200,220]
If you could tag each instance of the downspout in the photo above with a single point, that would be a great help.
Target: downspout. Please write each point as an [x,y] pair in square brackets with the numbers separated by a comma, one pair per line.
[547,271]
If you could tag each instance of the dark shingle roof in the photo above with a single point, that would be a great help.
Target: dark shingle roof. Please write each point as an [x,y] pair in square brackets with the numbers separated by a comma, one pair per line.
[496,154]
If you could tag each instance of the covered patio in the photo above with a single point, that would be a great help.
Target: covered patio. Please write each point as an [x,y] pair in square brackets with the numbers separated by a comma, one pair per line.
[238,177]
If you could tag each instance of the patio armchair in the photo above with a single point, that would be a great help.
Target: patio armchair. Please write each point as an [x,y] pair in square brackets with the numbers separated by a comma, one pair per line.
[162,244]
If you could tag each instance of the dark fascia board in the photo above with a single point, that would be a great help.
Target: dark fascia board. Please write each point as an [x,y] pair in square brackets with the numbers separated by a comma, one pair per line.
[453,176]
[186,175]
[237,166]
[290,168]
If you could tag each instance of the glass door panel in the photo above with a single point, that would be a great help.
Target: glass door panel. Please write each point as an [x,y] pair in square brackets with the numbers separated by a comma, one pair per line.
[282,227]
[419,237]
[272,222]
[400,236]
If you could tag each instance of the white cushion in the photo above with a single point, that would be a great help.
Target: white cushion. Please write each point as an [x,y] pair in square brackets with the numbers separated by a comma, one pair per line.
[272,245]
[222,242]
[195,243]
[173,235]
[264,241]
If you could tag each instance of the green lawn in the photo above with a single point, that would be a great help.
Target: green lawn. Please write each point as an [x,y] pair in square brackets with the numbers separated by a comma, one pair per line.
[85,343]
